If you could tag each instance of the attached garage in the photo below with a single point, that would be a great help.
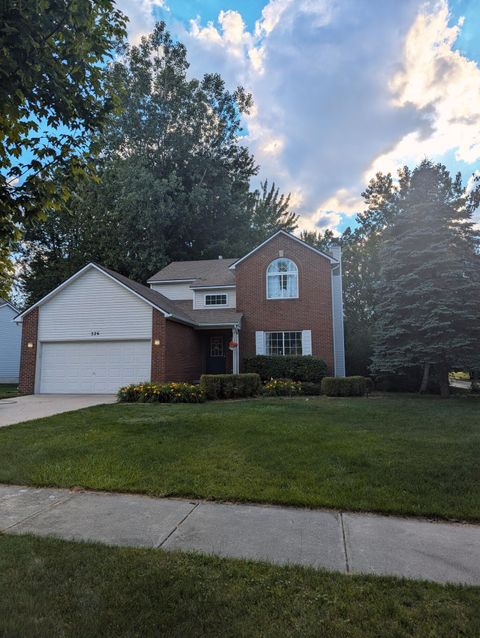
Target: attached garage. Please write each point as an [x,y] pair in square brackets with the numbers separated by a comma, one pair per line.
[99,367]
[93,335]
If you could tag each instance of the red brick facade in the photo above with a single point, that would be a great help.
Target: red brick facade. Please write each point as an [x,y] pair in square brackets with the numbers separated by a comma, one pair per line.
[159,332]
[28,355]
[184,352]
[311,311]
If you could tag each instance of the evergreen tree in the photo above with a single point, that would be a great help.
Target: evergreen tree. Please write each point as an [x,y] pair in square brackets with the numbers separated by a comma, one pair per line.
[428,306]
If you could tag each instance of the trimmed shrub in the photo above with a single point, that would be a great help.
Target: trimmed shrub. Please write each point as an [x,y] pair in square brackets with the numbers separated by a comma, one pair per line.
[346,386]
[298,368]
[282,388]
[230,386]
[148,392]
[311,389]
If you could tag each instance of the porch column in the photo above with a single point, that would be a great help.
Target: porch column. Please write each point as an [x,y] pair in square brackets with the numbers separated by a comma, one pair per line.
[236,353]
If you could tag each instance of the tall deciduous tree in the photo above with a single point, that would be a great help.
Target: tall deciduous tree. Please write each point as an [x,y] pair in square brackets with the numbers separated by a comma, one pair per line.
[175,177]
[53,96]
[428,307]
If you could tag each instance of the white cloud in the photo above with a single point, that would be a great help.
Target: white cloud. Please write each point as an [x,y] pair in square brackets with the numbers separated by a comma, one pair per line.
[140,15]
[435,76]
[321,89]
[342,88]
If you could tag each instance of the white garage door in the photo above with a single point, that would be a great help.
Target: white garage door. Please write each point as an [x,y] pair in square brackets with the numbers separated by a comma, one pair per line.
[93,367]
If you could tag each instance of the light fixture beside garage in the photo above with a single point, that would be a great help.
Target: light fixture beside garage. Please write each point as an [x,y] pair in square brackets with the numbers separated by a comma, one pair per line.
[29,344]
[156,342]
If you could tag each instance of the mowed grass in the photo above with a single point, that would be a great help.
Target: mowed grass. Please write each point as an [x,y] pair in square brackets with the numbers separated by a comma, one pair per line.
[56,588]
[8,390]
[406,455]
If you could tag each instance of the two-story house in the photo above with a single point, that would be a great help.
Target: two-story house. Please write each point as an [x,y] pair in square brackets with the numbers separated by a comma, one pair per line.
[100,330]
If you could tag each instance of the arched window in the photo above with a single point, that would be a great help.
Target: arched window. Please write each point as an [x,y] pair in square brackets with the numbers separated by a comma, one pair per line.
[282,279]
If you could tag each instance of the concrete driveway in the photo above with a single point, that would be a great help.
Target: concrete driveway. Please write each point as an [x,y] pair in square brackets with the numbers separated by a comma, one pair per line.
[36,406]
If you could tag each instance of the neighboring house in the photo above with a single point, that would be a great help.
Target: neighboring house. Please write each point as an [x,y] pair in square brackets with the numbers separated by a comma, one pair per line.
[99,330]
[10,338]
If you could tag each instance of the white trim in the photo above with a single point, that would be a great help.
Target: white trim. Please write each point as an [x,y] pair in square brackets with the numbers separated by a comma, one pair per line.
[215,305]
[260,342]
[169,281]
[92,339]
[200,326]
[276,274]
[306,343]
[213,286]
[77,274]
[283,232]
[337,322]
[236,353]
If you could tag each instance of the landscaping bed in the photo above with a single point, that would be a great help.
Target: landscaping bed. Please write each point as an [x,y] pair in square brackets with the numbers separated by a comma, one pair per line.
[397,454]
[57,588]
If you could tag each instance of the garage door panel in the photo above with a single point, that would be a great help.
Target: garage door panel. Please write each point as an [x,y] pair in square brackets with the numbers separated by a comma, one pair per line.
[93,367]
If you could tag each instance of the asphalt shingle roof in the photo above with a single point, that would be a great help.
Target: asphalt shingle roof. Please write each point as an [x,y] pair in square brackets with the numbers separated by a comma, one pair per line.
[202,272]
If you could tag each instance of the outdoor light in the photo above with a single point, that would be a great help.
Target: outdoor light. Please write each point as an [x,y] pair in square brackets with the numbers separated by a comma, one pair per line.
[156,342]
[29,344]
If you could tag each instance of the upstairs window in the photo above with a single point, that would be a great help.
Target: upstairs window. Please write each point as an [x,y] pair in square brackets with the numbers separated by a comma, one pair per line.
[282,279]
[216,300]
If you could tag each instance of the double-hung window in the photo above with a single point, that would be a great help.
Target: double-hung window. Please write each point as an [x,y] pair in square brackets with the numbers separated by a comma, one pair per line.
[216,300]
[283,343]
[282,279]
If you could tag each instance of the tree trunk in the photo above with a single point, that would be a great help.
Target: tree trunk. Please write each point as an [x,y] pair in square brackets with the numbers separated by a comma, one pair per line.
[425,378]
[444,382]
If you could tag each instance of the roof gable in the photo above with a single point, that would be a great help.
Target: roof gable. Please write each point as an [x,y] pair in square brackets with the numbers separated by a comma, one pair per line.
[153,298]
[290,236]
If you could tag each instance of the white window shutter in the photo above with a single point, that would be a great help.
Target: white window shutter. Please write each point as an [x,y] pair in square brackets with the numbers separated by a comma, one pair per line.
[306,342]
[259,342]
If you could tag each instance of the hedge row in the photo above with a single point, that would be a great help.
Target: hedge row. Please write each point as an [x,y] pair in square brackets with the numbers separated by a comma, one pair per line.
[297,368]
[161,393]
[346,386]
[236,386]
[230,386]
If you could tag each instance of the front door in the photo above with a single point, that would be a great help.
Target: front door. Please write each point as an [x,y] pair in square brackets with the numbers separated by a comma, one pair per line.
[216,355]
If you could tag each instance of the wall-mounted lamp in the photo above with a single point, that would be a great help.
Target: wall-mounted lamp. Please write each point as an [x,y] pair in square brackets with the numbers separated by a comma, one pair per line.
[29,344]
[156,342]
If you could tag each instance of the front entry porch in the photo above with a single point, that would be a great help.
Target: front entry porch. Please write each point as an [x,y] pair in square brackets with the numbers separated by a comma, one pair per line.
[218,356]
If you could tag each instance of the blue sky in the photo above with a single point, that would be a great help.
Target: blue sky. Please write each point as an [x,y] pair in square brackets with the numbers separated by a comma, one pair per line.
[342,88]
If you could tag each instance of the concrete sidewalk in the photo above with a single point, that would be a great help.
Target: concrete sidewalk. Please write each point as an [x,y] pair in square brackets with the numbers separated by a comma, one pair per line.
[338,541]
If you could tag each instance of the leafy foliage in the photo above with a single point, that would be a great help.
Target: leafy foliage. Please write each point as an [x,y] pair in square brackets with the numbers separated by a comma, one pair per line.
[54,93]
[355,386]
[429,287]
[298,368]
[282,388]
[230,386]
[175,178]
[161,393]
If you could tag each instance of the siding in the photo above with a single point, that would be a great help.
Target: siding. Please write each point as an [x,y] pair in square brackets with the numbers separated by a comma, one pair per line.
[199,297]
[10,338]
[174,291]
[94,303]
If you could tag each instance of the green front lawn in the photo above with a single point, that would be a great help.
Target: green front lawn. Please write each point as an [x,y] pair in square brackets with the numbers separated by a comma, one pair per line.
[55,588]
[407,455]
[8,390]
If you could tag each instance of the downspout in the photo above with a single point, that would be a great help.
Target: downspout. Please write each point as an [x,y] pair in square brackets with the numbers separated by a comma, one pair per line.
[337,313]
